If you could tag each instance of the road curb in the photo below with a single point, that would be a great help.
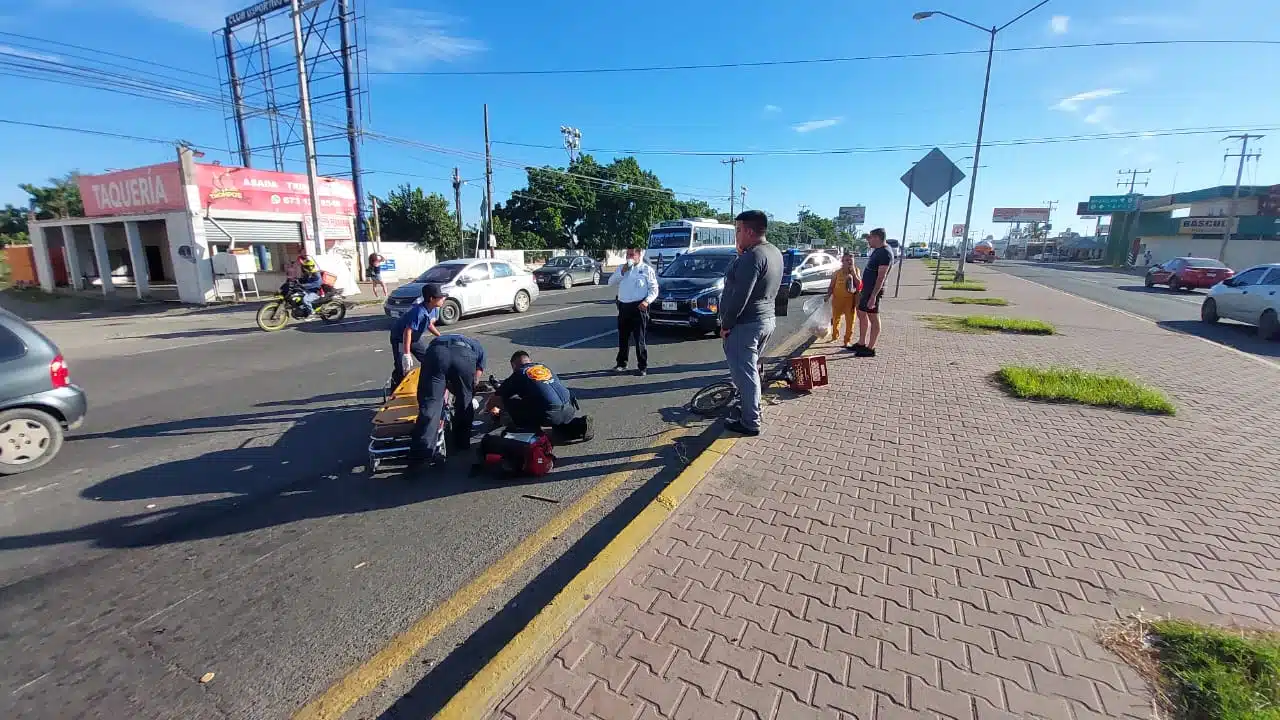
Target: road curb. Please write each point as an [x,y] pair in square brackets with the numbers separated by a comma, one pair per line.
[495,681]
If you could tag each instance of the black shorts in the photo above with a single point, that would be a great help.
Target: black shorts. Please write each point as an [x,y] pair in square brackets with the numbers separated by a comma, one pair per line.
[862,302]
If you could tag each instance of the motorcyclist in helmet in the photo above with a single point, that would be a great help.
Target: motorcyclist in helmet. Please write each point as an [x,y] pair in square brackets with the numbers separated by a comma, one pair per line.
[311,282]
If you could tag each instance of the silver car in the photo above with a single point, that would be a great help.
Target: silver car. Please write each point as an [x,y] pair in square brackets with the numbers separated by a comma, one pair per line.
[1252,297]
[473,286]
[38,401]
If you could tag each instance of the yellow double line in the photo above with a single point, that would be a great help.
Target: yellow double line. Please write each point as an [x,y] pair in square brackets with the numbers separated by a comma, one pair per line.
[366,678]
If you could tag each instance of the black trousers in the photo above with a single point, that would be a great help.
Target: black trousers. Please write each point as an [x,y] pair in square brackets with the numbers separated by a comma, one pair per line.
[528,415]
[398,369]
[444,365]
[633,325]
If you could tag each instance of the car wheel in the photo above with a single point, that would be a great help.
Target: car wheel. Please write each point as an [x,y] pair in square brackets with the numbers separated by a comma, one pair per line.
[522,302]
[1209,310]
[1174,285]
[29,439]
[566,282]
[597,278]
[796,290]
[450,312]
[1269,326]
[1148,281]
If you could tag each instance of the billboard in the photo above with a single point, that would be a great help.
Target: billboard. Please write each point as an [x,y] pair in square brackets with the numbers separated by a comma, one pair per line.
[139,191]
[1206,226]
[1020,215]
[1269,202]
[853,215]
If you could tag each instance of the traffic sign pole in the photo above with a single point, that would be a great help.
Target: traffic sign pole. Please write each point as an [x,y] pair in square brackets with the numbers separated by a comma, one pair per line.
[903,242]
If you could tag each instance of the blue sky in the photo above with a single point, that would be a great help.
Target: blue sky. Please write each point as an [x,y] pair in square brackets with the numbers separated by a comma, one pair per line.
[868,104]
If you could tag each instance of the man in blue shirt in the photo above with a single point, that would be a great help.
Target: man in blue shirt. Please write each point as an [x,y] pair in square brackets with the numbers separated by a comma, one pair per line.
[406,334]
[455,362]
[533,396]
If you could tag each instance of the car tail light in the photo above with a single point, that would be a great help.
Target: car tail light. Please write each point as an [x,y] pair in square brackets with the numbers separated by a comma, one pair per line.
[59,374]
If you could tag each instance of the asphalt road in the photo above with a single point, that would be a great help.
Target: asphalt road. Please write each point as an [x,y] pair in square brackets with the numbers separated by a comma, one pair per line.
[213,515]
[1175,311]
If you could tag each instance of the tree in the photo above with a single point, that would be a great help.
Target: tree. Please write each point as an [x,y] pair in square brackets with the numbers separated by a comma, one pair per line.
[13,226]
[59,199]
[410,215]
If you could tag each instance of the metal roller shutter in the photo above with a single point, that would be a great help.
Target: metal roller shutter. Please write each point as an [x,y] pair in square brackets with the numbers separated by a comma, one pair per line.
[253,231]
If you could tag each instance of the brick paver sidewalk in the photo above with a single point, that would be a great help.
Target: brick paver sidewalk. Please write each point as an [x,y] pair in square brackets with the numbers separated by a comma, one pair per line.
[910,542]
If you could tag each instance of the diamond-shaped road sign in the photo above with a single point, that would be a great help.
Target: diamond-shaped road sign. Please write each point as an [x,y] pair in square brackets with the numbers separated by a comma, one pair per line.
[932,177]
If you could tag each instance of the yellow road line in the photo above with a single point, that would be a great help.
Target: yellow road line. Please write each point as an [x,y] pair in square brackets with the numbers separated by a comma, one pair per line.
[365,679]
[501,675]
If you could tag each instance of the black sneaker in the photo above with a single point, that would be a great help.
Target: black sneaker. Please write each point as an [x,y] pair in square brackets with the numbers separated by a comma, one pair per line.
[738,427]
[865,351]
[642,373]
[855,348]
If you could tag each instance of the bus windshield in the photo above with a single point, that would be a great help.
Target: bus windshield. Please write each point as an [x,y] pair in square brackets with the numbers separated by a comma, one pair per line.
[668,238]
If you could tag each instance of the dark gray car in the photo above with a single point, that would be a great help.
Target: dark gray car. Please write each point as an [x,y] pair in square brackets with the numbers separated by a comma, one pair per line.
[38,402]
[565,271]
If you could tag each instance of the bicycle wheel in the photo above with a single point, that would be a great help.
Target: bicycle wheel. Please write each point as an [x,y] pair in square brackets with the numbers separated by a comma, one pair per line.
[713,398]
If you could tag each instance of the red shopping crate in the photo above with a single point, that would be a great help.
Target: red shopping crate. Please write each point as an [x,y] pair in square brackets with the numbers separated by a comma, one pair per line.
[808,373]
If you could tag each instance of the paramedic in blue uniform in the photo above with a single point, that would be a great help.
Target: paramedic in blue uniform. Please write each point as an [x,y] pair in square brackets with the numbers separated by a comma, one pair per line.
[455,362]
[533,396]
[406,334]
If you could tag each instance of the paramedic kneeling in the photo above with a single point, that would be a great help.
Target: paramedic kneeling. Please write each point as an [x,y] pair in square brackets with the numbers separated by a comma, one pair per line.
[406,334]
[455,362]
[533,396]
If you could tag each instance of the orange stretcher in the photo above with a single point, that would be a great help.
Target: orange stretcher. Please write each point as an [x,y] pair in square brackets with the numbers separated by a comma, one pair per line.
[390,437]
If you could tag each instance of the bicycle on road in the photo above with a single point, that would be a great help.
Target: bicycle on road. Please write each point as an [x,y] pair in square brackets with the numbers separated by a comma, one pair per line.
[716,397]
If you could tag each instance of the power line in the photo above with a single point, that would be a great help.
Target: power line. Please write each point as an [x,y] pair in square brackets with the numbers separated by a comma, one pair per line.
[90,131]
[812,61]
[148,63]
[1121,135]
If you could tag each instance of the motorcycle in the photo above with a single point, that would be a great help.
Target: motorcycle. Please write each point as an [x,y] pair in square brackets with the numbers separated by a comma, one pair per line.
[288,305]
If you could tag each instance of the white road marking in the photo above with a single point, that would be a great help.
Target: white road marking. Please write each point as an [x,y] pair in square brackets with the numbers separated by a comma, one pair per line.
[597,336]
[24,686]
[1255,358]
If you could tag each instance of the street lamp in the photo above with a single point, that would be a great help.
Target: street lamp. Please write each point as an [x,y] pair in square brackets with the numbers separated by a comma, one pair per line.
[572,141]
[982,114]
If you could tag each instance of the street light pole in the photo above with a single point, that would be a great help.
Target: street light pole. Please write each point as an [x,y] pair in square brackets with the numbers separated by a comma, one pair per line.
[982,114]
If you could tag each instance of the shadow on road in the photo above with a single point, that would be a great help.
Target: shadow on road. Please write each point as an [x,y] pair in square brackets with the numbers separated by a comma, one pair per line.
[1162,291]
[1082,268]
[444,680]
[1233,335]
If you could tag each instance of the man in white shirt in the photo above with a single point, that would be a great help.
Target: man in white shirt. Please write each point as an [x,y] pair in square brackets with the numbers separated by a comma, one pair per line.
[637,287]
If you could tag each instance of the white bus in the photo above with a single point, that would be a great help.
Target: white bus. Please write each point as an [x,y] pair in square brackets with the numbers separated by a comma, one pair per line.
[670,238]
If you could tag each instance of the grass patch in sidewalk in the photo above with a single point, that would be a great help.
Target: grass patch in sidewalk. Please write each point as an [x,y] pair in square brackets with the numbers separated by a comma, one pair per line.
[967,285]
[989,301]
[1200,671]
[988,323]
[1077,386]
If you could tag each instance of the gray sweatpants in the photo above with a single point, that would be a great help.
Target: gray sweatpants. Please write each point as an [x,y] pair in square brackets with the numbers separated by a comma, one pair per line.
[742,351]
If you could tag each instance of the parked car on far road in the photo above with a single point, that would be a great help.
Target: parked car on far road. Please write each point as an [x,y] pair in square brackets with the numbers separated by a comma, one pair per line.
[473,285]
[814,273]
[1188,273]
[565,272]
[38,402]
[1252,297]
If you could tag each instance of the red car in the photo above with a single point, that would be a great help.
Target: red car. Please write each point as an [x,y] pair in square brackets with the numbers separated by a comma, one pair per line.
[1188,273]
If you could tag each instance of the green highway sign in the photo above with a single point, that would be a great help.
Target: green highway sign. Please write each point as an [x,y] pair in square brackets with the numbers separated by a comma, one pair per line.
[1101,204]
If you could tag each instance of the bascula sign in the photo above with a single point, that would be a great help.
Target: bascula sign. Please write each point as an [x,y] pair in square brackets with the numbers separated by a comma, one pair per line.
[1205,226]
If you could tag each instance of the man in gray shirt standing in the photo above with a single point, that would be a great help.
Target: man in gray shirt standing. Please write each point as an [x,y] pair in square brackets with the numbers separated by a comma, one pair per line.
[747,313]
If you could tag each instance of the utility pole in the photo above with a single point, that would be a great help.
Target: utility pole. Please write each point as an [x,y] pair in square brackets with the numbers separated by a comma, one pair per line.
[1133,179]
[732,162]
[744,197]
[308,140]
[1244,155]
[457,208]
[377,224]
[488,181]
[572,141]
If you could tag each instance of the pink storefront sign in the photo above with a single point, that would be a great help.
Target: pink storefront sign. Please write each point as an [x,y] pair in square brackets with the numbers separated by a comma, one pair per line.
[234,188]
[140,191]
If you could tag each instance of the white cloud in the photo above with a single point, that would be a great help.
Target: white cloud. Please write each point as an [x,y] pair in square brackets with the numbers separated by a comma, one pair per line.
[1058,24]
[812,125]
[1099,115]
[1073,103]
[28,54]
[408,39]
[205,15]
[772,108]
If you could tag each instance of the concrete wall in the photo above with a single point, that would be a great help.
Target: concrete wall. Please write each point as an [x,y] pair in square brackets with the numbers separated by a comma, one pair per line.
[1240,253]
[410,262]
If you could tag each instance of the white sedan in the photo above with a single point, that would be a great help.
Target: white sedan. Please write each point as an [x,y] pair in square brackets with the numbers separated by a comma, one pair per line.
[1252,296]
[473,285]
